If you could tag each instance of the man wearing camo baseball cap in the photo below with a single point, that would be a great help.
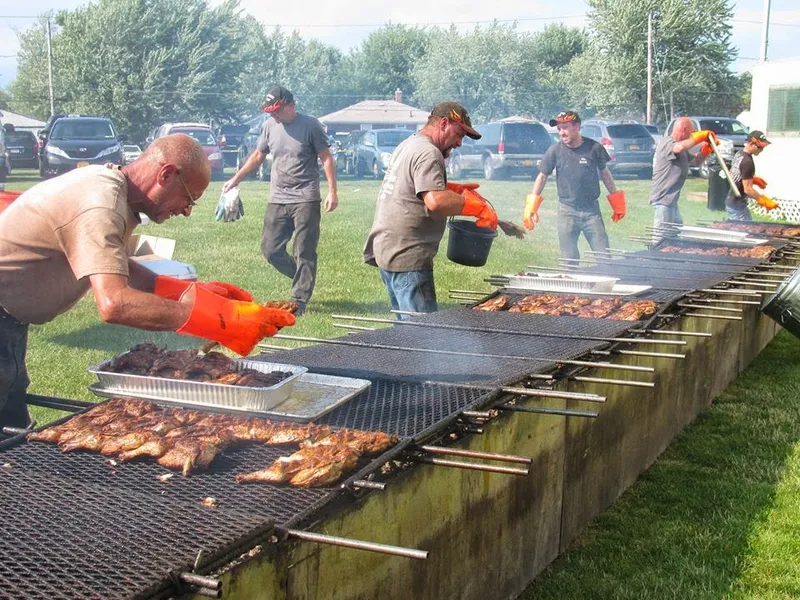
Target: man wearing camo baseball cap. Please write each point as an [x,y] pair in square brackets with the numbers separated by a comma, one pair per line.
[743,172]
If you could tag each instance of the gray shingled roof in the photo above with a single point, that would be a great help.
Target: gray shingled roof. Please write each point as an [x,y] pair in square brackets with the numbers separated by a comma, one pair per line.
[377,111]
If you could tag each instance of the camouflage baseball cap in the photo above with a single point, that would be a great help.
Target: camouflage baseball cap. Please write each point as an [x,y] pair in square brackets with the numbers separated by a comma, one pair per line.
[278,96]
[565,116]
[455,112]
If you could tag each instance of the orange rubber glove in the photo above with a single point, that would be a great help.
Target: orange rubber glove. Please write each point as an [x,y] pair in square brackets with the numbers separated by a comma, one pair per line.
[703,136]
[459,188]
[172,288]
[530,217]
[476,205]
[617,202]
[705,149]
[760,182]
[234,324]
[767,202]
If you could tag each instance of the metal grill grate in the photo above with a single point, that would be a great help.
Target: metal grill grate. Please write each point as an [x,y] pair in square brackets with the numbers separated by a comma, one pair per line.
[705,259]
[409,410]
[684,280]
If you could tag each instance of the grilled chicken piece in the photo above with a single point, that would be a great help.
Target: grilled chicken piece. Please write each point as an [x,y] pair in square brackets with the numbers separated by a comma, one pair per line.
[125,443]
[229,379]
[497,303]
[291,433]
[51,435]
[153,448]
[137,361]
[253,378]
[365,442]
[88,439]
[328,470]
[209,367]
[635,310]
[284,468]
[172,364]
[187,455]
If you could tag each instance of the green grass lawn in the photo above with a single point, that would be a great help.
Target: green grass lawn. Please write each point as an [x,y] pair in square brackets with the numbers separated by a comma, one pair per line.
[714,518]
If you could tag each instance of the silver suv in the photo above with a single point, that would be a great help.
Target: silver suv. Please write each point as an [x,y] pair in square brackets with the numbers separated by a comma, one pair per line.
[731,134]
[630,146]
[512,147]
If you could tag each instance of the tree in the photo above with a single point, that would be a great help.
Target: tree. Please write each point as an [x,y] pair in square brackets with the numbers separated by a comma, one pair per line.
[385,60]
[29,94]
[692,51]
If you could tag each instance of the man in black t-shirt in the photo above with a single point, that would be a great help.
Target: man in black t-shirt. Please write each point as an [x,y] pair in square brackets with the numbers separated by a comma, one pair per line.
[579,163]
[743,171]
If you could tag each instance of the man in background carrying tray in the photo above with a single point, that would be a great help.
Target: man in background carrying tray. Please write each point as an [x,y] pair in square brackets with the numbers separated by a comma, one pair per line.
[743,171]
[670,169]
[68,235]
[413,205]
[579,164]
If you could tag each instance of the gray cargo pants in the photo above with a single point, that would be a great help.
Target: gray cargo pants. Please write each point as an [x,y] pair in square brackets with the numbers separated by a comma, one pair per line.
[571,223]
[281,221]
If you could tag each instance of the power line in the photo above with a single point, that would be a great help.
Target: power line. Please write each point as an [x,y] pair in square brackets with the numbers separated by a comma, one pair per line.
[772,23]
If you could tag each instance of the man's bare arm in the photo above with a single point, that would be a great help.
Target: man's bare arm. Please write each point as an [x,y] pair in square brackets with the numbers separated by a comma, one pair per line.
[120,304]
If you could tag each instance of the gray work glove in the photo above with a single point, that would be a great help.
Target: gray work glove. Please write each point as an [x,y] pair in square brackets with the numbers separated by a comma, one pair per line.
[229,207]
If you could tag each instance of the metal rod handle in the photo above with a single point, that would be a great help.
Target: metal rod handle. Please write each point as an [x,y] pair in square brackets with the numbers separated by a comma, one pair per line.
[476,414]
[407,312]
[354,327]
[766,282]
[749,283]
[522,460]
[653,354]
[647,384]
[678,333]
[735,292]
[200,581]
[472,292]
[711,308]
[704,316]
[539,393]
[369,485]
[357,544]
[542,410]
[441,462]
[722,300]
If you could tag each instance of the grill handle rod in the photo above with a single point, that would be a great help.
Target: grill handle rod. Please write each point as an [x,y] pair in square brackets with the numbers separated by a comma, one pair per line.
[586,378]
[705,316]
[541,410]
[356,544]
[508,331]
[710,308]
[65,404]
[457,464]
[522,460]
[579,363]
[540,393]
[200,581]
[669,332]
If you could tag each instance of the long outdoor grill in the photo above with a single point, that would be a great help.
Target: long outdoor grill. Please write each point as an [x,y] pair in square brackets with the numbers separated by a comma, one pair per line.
[83,525]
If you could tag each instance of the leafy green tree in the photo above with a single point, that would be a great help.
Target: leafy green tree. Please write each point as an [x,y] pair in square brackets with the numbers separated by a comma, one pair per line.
[29,93]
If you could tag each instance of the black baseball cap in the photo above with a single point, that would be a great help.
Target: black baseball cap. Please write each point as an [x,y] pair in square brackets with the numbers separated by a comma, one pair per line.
[455,112]
[758,138]
[278,96]
[565,116]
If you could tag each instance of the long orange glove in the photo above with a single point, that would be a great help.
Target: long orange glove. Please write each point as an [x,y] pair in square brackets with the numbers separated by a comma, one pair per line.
[767,202]
[475,205]
[705,149]
[703,136]
[530,217]
[234,324]
[172,288]
[760,182]
[617,202]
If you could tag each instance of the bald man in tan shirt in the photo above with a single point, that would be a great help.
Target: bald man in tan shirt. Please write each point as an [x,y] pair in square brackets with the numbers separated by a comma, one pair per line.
[68,235]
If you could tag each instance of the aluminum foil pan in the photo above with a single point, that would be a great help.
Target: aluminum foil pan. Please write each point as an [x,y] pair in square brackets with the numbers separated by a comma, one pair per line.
[203,393]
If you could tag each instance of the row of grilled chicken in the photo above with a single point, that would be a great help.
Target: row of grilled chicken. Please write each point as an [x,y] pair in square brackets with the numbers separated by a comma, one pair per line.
[757,229]
[575,306]
[760,252]
[188,440]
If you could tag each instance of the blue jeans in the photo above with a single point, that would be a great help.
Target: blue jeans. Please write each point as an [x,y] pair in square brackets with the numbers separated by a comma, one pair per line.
[571,223]
[412,291]
[665,213]
[738,214]
[13,374]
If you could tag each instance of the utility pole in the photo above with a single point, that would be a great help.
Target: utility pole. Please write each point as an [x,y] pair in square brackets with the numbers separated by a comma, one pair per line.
[50,67]
[649,111]
[765,32]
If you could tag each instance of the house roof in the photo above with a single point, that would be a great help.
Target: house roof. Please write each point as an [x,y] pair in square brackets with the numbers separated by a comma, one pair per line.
[378,111]
[20,121]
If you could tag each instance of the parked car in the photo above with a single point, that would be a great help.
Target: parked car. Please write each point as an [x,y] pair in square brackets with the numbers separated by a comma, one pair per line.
[230,138]
[131,152]
[372,150]
[655,133]
[77,141]
[203,134]
[732,135]
[23,149]
[630,146]
[506,148]
[246,149]
[342,149]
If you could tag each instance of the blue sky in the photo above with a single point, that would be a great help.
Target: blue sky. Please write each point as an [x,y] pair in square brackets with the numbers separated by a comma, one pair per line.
[345,23]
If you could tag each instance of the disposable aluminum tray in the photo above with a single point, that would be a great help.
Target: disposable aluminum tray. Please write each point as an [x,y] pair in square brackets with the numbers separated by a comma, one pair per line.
[200,393]
[561,282]
[313,396]
[619,289]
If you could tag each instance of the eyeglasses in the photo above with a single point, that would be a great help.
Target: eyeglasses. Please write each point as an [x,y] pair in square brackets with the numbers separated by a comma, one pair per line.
[192,201]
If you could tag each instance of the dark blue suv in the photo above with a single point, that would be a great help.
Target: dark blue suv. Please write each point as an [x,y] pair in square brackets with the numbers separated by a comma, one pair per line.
[77,141]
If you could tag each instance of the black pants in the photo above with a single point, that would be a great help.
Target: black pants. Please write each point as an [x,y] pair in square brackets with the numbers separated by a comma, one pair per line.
[281,222]
[13,374]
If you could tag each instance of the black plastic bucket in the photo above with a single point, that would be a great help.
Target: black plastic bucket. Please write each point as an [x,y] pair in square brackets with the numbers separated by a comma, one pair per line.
[784,305]
[469,244]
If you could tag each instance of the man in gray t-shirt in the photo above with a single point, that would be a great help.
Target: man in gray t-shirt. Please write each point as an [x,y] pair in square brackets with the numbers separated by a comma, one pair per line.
[413,204]
[295,141]
[670,169]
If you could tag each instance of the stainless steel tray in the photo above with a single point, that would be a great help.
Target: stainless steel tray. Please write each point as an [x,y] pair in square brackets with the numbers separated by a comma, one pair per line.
[619,289]
[200,393]
[313,395]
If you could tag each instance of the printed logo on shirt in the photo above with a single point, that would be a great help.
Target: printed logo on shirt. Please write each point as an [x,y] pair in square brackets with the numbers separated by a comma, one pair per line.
[583,161]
